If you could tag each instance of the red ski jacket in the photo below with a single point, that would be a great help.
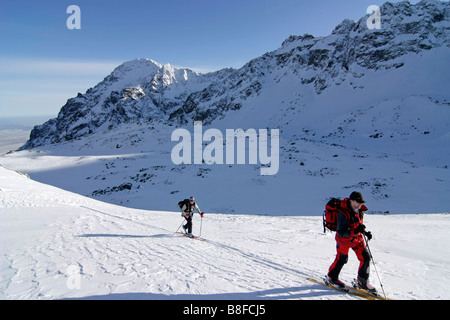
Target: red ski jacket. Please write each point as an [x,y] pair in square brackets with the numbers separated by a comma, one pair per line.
[348,220]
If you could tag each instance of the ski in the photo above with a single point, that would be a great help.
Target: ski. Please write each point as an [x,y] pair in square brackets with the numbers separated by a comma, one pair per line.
[194,237]
[347,290]
[375,295]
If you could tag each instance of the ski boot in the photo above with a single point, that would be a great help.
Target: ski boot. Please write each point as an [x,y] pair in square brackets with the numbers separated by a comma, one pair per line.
[363,284]
[334,282]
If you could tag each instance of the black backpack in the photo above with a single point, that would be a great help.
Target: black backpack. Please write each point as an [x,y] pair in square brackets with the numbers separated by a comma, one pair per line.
[181,203]
[185,202]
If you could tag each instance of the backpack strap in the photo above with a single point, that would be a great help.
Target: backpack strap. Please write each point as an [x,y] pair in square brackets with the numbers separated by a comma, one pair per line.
[345,209]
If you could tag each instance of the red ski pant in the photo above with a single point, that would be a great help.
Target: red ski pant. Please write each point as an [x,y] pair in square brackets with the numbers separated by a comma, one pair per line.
[343,246]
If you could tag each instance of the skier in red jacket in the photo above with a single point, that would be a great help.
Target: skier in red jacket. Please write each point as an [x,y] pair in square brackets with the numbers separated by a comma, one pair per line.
[349,234]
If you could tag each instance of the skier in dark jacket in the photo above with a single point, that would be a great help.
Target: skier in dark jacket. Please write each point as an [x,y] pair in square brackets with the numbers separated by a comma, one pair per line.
[349,234]
[187,207]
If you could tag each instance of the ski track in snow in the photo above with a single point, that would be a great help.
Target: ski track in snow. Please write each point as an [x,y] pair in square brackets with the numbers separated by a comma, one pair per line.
[59,245]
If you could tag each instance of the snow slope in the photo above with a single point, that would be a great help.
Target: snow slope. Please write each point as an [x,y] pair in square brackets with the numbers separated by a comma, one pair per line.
[57,245]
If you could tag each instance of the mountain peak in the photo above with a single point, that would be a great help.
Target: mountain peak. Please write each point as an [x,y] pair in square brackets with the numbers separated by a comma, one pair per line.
[141,62]
[178,96]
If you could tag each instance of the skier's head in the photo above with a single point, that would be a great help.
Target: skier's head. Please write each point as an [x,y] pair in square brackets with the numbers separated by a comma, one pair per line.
[191,199]
[356,200]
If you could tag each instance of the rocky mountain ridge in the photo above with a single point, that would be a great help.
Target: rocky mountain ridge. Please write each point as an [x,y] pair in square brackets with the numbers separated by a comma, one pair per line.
[143,91]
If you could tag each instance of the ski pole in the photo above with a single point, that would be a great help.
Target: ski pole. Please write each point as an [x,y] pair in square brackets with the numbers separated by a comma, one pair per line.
[375,267]
[201,225]
[179,227]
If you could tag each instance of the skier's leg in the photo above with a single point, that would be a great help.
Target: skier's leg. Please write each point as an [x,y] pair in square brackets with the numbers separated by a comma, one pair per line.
[340,260]
[364,262]
[189,224]
[363,256]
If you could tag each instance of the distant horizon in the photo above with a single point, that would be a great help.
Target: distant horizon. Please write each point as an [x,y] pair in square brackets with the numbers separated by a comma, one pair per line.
[26,122]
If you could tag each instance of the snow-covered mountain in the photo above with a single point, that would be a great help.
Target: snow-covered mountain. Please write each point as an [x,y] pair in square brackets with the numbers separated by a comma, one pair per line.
[144,91]
[60,245]
[358,109]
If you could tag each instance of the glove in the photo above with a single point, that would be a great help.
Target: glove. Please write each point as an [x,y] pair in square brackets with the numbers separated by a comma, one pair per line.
[368,234]
[201,214]
[361,228]
[185,215]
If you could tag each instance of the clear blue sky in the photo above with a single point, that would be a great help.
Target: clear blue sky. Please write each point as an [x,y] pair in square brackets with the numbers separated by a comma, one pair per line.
[43,63]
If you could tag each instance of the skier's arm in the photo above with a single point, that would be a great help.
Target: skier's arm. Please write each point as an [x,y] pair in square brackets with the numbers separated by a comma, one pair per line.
[198,210]
[342,228]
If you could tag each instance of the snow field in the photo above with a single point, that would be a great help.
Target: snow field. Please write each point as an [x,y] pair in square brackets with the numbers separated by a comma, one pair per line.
[58,245]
